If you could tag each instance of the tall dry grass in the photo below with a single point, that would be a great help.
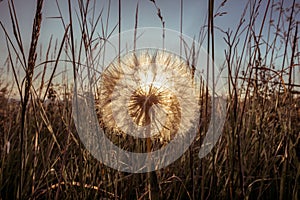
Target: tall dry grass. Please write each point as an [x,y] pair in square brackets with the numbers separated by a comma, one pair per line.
[257,156]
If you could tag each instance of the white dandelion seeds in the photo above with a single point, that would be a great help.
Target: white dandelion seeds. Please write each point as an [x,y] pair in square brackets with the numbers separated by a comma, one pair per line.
[150,93]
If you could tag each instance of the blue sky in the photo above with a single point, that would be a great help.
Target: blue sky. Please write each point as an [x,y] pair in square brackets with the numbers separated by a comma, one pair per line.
[194,13]
[194,16]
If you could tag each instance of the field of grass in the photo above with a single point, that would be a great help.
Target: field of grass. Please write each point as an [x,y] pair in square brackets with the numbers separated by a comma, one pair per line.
[257,156]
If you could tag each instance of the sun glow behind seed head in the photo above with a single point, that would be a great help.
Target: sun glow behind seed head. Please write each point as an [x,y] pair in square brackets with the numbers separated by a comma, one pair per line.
[148,90]
[152,78]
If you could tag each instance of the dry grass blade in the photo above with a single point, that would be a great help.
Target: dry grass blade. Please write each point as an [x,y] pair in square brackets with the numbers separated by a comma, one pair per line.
[56,62]
[28,83]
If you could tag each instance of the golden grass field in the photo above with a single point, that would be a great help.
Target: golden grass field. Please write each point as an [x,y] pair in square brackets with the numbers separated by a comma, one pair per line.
[256,157]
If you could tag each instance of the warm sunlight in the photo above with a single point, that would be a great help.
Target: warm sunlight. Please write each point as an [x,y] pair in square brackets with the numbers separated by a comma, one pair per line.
[149,99]
[144,93]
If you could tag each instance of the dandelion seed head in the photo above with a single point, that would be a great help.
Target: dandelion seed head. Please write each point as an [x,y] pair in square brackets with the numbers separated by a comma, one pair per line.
[148,93]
